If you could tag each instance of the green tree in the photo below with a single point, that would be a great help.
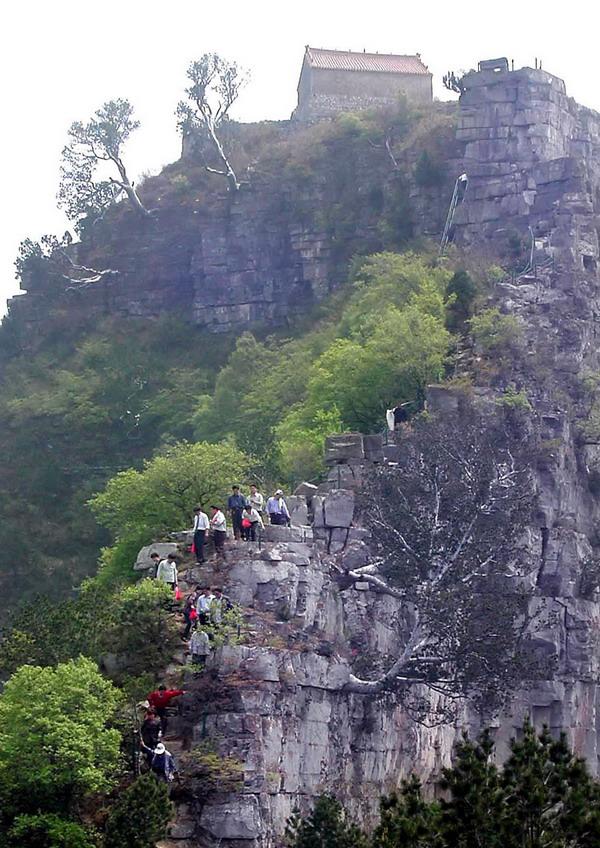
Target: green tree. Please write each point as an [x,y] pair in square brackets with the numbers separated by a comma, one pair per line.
[95,145]
[144,505]
[472,815]
[407,820]
[140,815]
[461,291]
[48,831]
[55,745]
[327,826]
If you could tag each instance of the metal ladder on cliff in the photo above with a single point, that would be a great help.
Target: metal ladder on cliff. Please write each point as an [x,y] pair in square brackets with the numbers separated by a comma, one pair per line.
[458,195]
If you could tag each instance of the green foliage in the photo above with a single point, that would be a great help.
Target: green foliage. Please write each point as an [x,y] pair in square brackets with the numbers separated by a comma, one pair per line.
[301,440]
[48,831]
[327,826]
[543,797]
[512,399]
[55,746]
[140,815]
[461,292]
[496,334]
[96,143]
[429,171]
[210,772]
[406,819]
[130,623]
[160,498]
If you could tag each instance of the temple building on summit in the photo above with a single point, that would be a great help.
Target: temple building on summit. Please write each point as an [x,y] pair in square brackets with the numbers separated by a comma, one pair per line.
[333,81]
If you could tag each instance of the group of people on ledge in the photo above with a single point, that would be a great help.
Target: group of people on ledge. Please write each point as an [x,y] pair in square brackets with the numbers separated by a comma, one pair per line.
[247,514]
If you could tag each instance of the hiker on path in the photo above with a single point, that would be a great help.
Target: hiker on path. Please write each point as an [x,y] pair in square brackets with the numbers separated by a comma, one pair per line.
[218,525]
[159,700]
[150,729]
[199,648]
[203,605]
[189,607]
[220,604]
[167,571]
[201,527]
[251,522]
[236,504]
[256,500]
[153,570]
[161,762]
[277,509]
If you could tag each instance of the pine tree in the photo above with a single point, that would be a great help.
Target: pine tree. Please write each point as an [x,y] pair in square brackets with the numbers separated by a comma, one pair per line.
[140,816]
[327,826]
[470,817]
[407,820]
[550,798]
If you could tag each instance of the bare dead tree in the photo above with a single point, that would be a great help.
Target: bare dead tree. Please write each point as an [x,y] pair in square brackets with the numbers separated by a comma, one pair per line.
[214,86]
[447,525]
[50,257]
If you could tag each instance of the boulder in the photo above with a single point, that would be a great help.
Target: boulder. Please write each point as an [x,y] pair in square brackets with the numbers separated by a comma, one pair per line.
[298,509]
[238,818]
[306,490]
[342,447]
[143,561]
[339,508]
[373,447]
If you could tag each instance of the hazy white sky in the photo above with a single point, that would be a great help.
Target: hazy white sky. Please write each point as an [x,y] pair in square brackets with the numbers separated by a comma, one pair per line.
[60,60]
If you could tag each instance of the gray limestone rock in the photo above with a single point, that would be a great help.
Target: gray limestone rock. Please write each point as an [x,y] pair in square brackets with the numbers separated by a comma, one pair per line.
[339,508]
[344,447]
[143,561]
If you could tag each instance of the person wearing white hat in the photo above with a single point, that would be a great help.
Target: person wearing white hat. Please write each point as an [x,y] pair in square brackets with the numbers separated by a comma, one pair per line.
[161,762]
[277,509]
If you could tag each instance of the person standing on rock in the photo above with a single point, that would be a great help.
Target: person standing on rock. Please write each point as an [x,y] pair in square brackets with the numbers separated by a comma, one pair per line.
[251,522]
[155,558]
[199,648]
[203,605]
[277,509]
[236,504]
[167,571]
[189,607]
[159,700]
[161,762]
[201,525]
[150,729]
[218,525]
[256,500]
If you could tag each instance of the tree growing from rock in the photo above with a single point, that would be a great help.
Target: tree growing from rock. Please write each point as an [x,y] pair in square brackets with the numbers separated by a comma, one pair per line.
[50,258]
[447,524]
[140,816]
[93,173]
[214,86]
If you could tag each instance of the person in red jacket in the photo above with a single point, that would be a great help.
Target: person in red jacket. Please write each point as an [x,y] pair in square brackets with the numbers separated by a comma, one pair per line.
[159,700]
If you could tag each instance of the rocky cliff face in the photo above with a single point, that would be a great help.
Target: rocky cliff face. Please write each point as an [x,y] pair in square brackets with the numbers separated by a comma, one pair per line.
[258,258]
[532,159]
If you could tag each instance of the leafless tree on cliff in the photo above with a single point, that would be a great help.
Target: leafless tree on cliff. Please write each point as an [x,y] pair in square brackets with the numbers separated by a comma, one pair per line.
[454,82]
[93,174]
[214,87]
[50,258]
[447,525]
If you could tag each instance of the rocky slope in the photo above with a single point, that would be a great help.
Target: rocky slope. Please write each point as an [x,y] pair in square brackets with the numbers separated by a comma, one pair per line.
[532,159]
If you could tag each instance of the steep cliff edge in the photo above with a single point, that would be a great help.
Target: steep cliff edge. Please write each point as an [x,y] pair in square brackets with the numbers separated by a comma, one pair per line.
[532,159]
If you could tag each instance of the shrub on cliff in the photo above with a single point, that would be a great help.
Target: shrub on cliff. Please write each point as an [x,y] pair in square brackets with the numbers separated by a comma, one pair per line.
[140,815]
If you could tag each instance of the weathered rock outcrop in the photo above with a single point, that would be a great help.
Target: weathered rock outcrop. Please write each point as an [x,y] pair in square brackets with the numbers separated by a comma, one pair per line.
[532,159]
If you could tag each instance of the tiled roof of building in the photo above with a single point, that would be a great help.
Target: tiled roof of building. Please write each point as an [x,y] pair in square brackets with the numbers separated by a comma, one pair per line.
[346,60]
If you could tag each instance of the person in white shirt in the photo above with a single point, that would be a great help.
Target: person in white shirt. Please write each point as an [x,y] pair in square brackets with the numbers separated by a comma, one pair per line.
[251,521]
[218,525]
[201,525]
[203,605]
[256,500]
[277,509]
[167,571]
